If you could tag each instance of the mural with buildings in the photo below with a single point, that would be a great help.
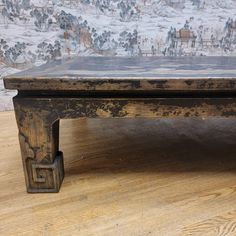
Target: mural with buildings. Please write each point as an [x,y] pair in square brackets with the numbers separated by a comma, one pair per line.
[33,32]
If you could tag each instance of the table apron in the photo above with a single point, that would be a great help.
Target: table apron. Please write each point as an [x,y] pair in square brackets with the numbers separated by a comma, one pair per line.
[75,107]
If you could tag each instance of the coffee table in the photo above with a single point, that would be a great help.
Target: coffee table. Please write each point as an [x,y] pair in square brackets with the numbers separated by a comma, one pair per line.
[102,87]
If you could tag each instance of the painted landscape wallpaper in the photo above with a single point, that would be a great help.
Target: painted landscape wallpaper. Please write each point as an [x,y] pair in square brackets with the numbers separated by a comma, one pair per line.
[33,32]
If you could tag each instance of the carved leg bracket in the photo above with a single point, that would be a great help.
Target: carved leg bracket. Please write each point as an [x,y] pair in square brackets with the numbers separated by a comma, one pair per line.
[45,178]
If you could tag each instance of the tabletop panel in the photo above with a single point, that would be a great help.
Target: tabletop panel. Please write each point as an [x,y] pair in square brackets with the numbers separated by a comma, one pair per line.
[136,73]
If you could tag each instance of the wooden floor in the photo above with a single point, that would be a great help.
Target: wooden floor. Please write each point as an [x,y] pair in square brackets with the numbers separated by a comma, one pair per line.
[127,178]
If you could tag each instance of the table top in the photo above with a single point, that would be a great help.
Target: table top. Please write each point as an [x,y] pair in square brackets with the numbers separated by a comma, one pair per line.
[132,73]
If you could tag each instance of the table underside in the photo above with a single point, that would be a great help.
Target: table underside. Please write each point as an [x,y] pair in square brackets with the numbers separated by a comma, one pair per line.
[38,122]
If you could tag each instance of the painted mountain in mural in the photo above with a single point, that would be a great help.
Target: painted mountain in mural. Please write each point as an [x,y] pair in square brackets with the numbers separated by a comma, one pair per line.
[36,31]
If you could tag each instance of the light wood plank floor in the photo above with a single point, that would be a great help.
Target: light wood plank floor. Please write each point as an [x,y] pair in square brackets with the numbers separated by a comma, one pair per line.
[127,178]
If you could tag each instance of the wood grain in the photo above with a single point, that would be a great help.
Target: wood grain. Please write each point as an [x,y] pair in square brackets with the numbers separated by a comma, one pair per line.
[127,177]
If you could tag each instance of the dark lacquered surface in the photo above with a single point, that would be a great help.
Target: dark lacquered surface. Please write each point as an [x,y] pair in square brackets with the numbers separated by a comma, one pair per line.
[120,70]
[136,67]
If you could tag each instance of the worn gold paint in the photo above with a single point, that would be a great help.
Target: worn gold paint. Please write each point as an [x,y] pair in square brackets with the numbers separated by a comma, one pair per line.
[46,96]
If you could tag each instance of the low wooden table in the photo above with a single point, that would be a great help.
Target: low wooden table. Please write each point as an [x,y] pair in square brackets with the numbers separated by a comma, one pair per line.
[105,87]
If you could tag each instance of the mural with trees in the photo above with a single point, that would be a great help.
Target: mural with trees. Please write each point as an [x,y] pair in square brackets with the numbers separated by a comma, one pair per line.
[34,32]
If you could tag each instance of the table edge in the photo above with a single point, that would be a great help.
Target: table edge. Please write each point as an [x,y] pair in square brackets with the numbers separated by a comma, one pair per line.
[120,83]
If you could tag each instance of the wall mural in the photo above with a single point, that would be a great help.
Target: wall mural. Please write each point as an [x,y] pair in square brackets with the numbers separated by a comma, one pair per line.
[33,32]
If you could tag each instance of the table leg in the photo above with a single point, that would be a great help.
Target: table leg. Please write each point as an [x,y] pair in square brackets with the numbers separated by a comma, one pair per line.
[39,142]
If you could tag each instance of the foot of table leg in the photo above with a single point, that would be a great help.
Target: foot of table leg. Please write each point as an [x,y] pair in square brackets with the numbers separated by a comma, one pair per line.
[45,178]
